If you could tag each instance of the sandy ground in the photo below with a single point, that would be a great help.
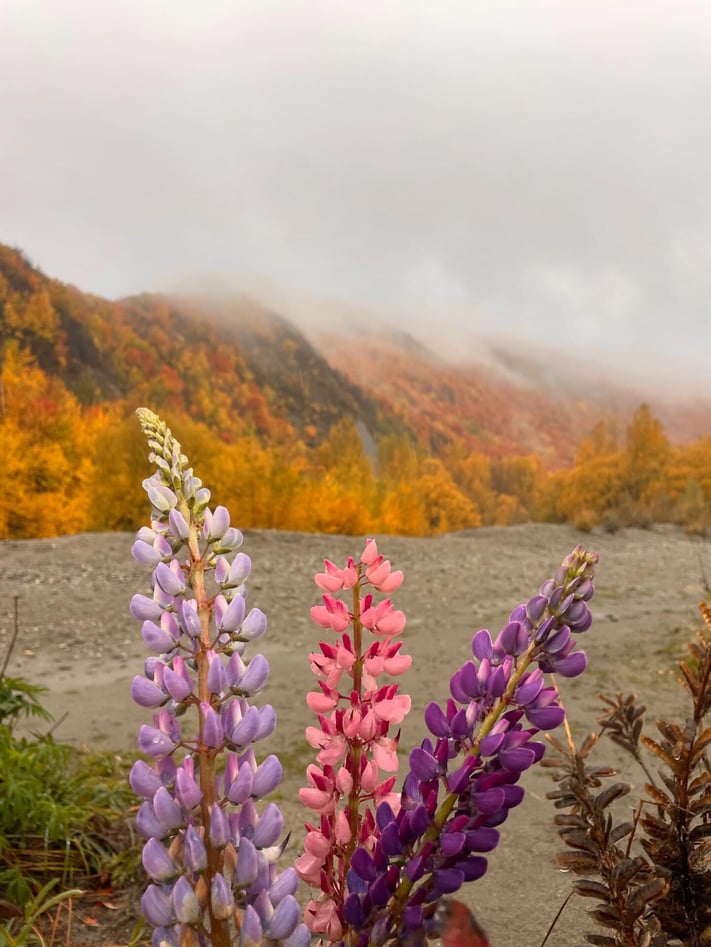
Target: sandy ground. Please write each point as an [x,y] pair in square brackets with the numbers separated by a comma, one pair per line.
[78,639]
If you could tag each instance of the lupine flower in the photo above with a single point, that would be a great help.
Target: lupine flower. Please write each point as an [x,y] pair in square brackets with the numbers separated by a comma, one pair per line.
[212,865]
[354,715]
[464,779]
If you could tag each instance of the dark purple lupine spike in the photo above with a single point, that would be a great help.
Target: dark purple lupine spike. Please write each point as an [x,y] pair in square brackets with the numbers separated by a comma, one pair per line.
[498,694]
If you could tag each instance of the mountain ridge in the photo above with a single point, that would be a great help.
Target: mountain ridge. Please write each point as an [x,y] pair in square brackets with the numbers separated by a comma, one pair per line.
[228,358]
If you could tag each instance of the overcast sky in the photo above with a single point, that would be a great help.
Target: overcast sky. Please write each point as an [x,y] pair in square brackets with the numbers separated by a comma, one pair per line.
[542,167]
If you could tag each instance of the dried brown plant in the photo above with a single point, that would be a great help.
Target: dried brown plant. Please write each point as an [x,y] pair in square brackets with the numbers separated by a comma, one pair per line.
[660,893]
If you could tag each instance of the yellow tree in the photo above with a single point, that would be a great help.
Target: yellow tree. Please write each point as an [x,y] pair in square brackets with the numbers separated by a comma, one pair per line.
[46,449]
[648,453]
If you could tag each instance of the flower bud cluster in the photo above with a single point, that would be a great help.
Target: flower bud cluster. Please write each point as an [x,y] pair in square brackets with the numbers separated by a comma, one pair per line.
[211,856]
[355,712]
[464,779]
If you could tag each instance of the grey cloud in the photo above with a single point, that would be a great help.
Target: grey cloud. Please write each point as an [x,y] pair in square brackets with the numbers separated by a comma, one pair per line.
[545,164]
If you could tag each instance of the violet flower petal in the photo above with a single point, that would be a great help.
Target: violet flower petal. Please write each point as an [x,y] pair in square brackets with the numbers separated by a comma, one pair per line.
[145,693]
[267,777]
[270,826]
[286,917]
[154,742]
[185,902]
[255,677]
[221,898]
[143,779]
[156,906]
[157,862]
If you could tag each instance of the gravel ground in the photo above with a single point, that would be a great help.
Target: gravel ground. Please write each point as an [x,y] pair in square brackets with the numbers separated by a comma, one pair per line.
[78,639]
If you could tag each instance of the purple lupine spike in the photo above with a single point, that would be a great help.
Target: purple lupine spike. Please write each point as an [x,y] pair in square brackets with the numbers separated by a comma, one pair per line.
[226,854]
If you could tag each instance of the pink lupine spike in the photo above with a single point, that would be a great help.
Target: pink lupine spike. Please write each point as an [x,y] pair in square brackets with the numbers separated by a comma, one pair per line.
[355,711]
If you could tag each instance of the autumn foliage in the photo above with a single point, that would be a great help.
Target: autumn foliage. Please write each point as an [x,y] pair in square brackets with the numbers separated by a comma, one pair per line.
[284,439]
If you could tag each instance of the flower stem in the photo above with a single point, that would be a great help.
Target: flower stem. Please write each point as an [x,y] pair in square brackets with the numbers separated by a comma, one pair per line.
[219,929]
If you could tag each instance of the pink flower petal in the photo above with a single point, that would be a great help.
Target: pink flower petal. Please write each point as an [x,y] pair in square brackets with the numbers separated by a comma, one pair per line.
[320,703]
[393,581]
[342,830]
[370,553]
[317,800]
[398,664]
[329,583]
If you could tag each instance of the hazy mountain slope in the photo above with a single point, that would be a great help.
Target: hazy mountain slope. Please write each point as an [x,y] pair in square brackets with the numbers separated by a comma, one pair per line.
[227,359]
[229,366]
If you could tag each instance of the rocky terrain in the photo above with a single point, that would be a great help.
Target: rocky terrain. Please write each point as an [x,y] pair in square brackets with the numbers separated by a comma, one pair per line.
[78,640]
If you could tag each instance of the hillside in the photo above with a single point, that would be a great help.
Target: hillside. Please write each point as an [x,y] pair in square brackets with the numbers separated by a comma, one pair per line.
[498,401]
[231,367]
[349,430]
[230,361]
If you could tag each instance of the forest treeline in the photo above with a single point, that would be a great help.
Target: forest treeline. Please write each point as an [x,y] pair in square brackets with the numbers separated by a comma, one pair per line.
[68,467]
[282,438]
